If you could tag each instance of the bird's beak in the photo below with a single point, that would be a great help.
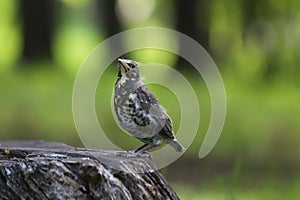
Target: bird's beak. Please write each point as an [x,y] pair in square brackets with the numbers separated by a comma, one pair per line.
[123,66]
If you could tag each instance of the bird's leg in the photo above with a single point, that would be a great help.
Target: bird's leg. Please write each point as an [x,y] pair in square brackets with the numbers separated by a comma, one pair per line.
[145,147]
[140,148]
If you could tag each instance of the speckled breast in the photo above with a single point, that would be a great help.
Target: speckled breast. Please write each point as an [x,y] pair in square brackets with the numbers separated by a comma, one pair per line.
[133,118]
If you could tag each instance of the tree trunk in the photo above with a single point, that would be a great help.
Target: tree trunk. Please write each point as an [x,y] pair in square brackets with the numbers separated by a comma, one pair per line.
[192,20]
[37,17]
[107,20]
[48,170]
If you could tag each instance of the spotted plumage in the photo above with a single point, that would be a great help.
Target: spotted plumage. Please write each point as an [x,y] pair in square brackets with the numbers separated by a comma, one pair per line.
[139,112]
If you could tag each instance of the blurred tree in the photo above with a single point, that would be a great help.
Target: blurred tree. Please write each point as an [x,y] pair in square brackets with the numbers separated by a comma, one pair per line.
[258,17]
[249,11]
[107,16]
[192,20]
[37,19]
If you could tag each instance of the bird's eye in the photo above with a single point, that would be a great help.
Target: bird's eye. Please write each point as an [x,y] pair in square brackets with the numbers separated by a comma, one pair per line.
[132,66]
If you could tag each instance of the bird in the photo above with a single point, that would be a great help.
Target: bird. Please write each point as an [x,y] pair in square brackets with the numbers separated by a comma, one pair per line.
[139,112]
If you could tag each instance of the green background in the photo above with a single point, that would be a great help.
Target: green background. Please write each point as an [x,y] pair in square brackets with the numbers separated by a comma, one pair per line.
[255,45]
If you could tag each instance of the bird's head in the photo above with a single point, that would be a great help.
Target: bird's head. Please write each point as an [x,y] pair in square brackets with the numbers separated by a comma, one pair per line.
[128,68]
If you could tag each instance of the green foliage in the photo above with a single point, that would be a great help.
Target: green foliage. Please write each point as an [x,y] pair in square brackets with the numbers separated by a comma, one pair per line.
[255,44]
[269,190]
[10,35]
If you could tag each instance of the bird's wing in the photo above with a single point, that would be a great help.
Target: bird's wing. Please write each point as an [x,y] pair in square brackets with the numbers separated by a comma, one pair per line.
[146,98]
[151,105]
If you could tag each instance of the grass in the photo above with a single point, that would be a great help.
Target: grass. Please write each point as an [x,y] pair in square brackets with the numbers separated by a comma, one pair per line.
[38,103]
[262,127]
[255,190]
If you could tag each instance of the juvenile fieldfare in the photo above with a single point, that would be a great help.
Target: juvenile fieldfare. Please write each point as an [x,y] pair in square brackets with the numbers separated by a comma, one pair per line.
[139,112]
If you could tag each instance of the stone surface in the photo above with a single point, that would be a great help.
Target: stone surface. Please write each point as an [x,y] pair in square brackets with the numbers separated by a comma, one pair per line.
[49,170]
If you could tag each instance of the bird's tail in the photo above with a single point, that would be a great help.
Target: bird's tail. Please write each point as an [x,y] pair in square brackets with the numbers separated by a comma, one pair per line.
[177,146]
